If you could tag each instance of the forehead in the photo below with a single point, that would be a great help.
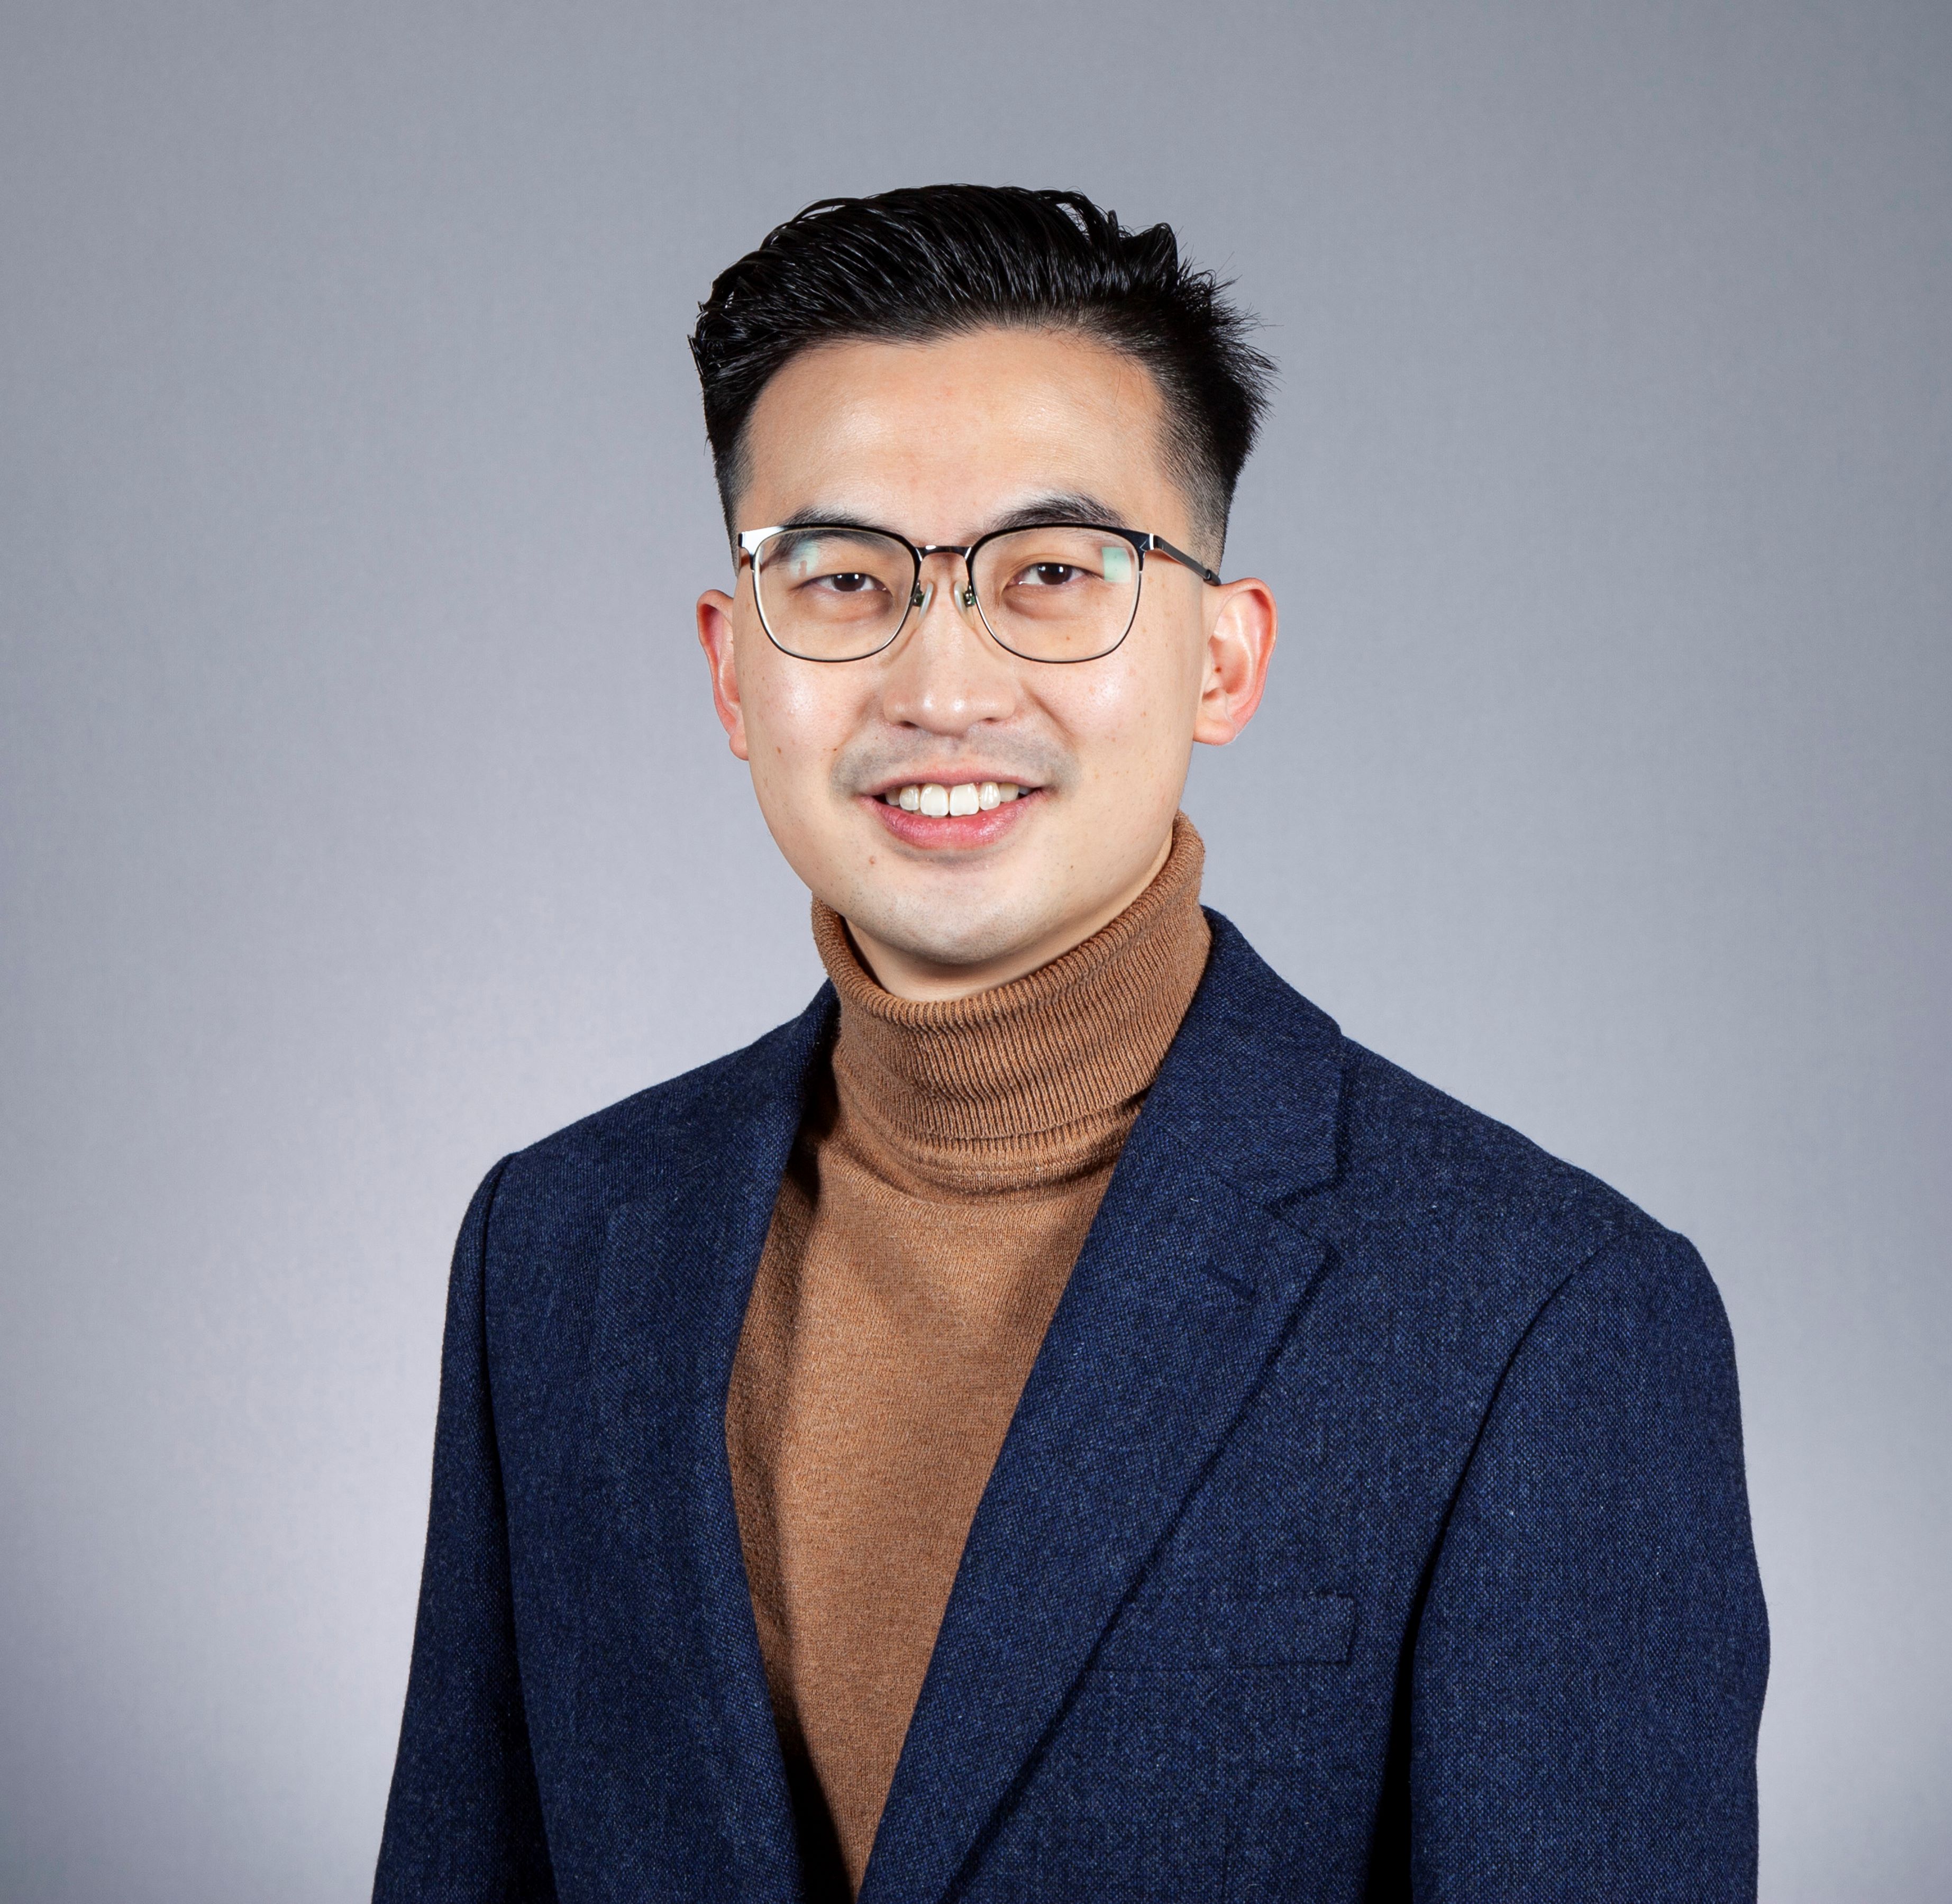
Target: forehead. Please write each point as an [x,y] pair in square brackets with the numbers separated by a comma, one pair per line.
[935,435]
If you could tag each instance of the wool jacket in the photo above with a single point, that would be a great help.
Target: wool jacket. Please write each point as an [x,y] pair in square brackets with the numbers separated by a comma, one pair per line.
[1371,1526]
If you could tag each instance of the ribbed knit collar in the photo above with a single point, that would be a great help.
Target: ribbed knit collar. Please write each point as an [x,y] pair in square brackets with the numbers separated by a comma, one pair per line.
[1034,1081]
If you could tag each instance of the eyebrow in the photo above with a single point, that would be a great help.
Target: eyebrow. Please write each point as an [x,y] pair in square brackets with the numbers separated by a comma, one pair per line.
[1056,506]
[820,518]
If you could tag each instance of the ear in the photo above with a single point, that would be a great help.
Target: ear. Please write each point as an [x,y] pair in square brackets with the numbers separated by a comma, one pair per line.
[715,637]
[1240,644]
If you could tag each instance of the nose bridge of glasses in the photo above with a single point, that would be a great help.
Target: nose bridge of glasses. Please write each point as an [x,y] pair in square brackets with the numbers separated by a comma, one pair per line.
[957,600]
[951,562]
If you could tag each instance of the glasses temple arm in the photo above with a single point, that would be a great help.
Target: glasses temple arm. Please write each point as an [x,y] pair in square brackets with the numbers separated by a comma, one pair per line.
[1185,561]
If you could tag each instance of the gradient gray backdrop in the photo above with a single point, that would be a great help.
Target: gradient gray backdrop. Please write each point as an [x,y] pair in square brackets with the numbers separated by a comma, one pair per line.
[365,816]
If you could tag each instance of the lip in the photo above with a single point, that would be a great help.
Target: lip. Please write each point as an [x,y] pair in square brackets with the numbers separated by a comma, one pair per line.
[965,832]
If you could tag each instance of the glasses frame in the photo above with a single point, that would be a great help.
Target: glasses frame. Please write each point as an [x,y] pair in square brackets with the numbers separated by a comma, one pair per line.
[749,542]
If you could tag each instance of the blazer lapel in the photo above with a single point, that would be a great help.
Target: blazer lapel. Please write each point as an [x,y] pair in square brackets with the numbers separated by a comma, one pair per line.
[678,1270]
[1189,1285]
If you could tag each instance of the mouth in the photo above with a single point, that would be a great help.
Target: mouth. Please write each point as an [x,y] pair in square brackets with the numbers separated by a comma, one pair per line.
[933,815]
[967,796]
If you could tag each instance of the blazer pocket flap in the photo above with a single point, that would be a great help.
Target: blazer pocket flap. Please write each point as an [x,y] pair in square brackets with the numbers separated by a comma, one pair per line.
[1267,1630]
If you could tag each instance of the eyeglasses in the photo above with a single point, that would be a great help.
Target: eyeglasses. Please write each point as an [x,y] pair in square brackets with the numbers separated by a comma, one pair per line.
[1048,591]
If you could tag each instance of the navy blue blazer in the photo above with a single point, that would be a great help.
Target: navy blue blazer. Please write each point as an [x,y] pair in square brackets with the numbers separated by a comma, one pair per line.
[1372,1525]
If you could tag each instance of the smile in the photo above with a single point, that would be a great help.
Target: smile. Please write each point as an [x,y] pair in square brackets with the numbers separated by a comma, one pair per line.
[938,802]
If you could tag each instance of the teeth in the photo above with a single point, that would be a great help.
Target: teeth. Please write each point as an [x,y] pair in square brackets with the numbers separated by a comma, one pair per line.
[937,801]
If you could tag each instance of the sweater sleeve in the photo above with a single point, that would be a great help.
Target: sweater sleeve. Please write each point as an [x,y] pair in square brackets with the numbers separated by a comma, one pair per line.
[464,1822]
[1587,1679]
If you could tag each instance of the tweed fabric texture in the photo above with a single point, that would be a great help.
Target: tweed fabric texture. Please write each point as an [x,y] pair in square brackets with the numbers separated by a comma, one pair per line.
[951,1163]
[1372,1523]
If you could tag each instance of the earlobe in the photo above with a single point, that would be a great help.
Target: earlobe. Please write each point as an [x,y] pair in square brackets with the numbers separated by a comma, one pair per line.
[715,637]
[1240,644]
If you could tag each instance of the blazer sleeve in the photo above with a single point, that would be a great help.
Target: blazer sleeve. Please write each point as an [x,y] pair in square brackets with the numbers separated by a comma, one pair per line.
[464,1822]
[1587,1678]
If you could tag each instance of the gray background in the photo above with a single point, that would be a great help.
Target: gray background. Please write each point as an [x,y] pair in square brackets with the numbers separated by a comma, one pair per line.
[365,816]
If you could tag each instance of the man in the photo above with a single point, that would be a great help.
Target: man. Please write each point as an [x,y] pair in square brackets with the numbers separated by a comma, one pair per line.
[1057,1419]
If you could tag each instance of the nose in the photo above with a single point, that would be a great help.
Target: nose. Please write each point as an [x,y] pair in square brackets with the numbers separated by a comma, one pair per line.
[945,675]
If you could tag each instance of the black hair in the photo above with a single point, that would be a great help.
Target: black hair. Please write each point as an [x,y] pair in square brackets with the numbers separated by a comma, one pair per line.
[931,260]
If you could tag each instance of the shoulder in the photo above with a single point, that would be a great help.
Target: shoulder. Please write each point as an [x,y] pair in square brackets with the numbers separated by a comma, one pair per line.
[1468,1220]
[1459,1216]
[1417,1165]
[660,1140]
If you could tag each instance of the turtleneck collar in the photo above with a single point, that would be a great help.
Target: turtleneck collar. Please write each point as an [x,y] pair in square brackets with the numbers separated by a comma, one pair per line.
[1032,1082]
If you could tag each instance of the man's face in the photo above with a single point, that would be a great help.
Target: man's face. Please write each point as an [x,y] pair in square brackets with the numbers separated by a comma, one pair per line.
[940,442]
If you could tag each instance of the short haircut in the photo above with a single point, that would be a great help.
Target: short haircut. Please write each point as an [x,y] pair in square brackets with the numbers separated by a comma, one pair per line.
[935,261]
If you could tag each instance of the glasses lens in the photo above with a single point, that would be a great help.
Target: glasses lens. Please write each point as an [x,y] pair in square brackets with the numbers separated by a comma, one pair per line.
[833,594]
[1058,594]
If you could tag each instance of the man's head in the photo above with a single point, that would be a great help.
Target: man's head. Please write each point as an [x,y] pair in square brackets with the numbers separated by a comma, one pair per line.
[937,365]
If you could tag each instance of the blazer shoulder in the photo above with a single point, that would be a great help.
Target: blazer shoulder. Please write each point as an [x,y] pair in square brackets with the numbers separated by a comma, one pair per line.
[1265,1083]
[629,1149]
[1449,1195]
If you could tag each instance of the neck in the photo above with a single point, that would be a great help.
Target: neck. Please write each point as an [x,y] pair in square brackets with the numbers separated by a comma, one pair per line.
[914,976]
[1031,1079]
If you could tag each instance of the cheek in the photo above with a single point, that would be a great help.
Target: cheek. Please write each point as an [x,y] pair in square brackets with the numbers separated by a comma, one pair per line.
[1130,715]
[798,717]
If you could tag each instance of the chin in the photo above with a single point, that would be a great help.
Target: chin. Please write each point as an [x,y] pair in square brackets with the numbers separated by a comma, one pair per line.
[949,934]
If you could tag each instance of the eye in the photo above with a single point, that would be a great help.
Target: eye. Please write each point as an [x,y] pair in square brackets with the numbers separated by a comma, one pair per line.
[1047,574]
[846,582]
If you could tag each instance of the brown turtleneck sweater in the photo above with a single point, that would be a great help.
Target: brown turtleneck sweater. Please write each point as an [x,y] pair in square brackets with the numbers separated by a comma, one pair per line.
[937,1197]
